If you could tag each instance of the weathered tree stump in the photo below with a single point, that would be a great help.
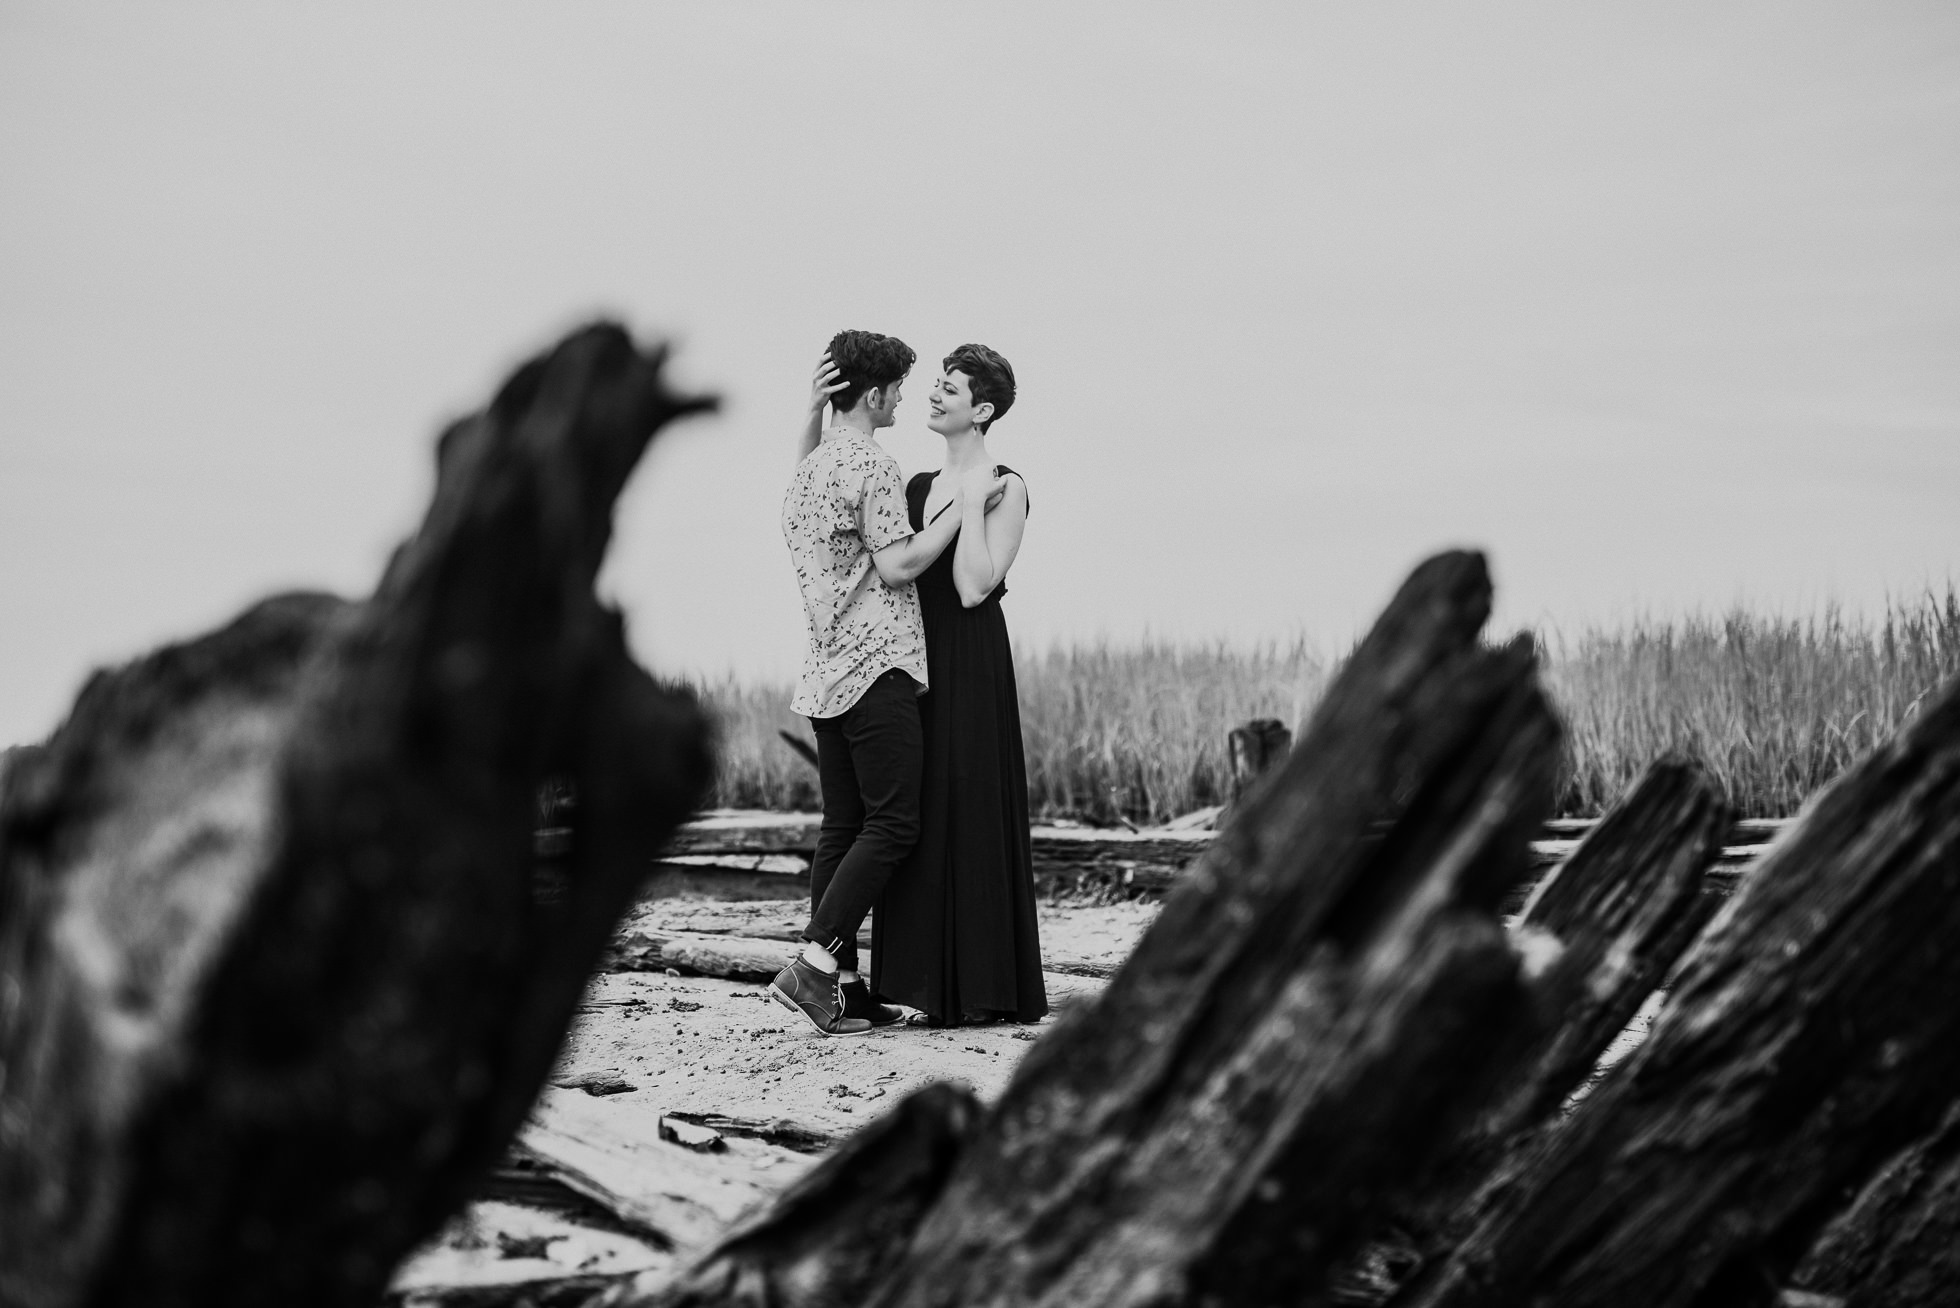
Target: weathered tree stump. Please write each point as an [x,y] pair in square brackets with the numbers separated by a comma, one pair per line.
[1255,748]
[1280,1049]
[1815,1030]
[276,984]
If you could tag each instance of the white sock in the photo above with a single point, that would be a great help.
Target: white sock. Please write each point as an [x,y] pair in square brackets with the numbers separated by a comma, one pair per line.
[818,957]
[848,977]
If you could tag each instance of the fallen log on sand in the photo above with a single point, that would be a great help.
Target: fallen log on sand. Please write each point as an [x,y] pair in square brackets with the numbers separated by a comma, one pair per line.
[279,977]
[754,854]
[739,958]
[616,1154]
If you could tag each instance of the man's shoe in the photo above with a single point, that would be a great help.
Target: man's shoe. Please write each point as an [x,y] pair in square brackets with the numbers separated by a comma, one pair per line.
[807,989]
[859,1003]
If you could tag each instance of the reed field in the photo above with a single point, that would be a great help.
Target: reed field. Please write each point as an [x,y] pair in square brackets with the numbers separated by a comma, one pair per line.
[1774,707]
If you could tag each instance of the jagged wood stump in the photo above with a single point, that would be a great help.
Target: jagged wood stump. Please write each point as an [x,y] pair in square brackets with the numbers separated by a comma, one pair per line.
[277,982]
[1814,1032]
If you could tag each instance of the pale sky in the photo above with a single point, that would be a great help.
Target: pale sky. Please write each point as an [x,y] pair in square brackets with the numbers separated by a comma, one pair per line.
[1657,303]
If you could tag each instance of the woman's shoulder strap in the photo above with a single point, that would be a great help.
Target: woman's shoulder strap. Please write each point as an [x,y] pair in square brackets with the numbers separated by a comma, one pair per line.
[1002,470]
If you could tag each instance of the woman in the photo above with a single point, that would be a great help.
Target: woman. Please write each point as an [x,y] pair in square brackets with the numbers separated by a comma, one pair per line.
[955,933]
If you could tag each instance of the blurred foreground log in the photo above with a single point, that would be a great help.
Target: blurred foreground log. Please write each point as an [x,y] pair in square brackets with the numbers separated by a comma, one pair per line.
[1814,1033]
[277,980]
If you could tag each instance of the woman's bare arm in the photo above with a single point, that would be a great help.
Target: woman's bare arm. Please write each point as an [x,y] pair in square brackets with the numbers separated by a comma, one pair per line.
[988,540]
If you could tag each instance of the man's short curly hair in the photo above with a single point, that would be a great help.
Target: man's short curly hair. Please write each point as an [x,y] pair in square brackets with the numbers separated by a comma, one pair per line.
[991,377]
[867,360]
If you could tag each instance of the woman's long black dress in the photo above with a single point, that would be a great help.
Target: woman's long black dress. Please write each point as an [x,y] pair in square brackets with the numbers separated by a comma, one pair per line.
[955,934]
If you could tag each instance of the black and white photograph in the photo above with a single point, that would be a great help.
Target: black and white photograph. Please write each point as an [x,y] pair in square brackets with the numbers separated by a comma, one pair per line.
[670,654]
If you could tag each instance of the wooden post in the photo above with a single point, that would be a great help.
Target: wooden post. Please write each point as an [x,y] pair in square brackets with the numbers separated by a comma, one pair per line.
[276,982]
[1255,748]
[1815,1031]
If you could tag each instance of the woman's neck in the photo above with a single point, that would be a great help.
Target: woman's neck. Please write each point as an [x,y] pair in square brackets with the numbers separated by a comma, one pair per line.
[967,449]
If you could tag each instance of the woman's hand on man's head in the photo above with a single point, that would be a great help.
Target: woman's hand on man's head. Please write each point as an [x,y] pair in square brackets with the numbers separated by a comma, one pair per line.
[825,382]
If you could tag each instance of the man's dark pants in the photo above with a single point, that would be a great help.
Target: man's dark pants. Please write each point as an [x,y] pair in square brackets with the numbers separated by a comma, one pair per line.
[868,763]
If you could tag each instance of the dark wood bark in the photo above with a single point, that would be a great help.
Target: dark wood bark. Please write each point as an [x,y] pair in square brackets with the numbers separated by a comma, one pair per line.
[1277,1052]
[280,979]
[1598,935]
[1814,1031]
[1897,1244]
[834,1236]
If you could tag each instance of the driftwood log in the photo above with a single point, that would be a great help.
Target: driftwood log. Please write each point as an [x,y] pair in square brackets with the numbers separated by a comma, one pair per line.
[764,855]
[278,981]
[838,1232]
[1814,1033]
[626,1160]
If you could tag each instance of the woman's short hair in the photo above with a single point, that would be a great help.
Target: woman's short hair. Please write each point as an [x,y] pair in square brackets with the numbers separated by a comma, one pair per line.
[866,360]
[991,377]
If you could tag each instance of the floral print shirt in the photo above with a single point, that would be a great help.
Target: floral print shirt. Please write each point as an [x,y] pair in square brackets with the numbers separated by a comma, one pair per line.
[845,502]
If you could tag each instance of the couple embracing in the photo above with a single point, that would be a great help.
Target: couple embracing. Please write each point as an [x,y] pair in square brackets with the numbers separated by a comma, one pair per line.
[908,682]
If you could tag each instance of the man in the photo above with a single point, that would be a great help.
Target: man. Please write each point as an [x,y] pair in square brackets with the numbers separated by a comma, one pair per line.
[855,554]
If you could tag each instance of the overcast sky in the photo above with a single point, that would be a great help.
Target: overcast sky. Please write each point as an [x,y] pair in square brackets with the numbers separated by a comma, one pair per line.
[1659,304]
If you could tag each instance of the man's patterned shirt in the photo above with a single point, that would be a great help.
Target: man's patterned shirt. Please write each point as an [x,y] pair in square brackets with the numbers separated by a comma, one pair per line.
[845,502]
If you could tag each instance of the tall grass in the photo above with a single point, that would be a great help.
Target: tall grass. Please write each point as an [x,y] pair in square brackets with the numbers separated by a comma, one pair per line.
[1773,706]
[1138,731]
[755,768]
